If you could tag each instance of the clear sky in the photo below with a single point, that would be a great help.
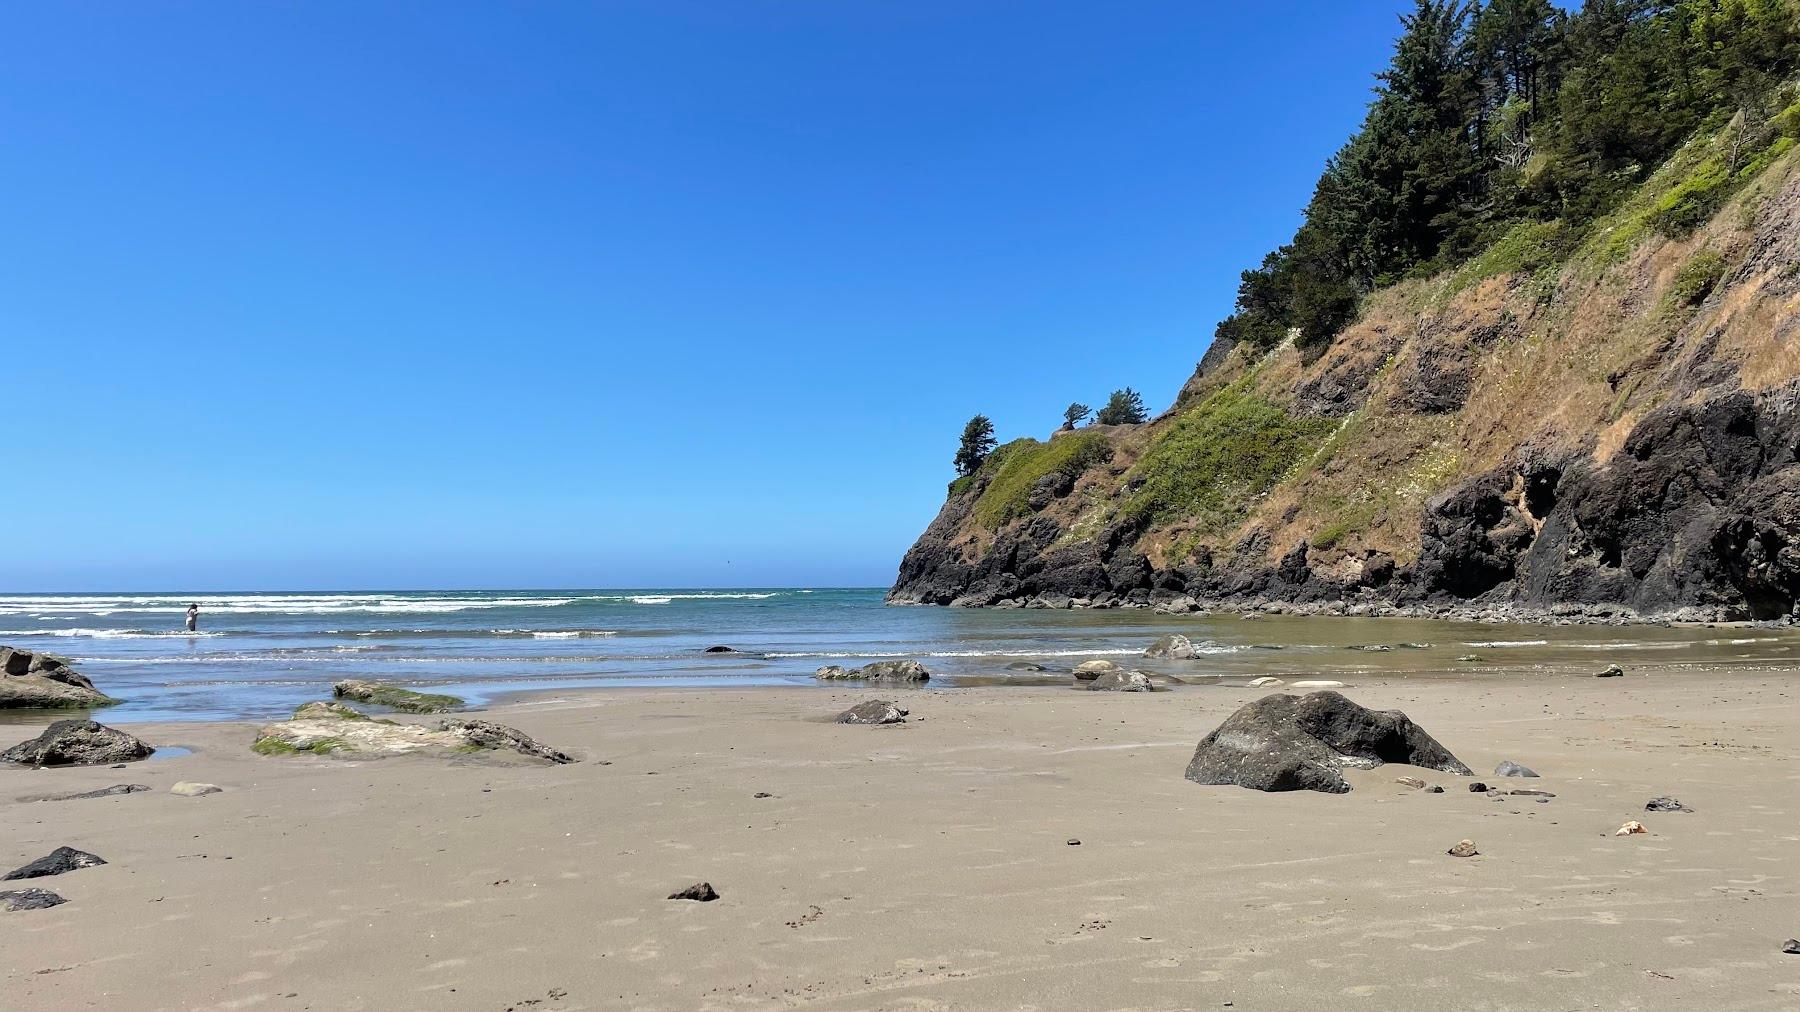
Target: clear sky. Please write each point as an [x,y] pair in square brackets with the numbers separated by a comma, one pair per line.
[394,295]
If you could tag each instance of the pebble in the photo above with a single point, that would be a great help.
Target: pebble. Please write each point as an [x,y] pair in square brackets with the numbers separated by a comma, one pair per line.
[1074,842]
[1465,848]
[1478,788]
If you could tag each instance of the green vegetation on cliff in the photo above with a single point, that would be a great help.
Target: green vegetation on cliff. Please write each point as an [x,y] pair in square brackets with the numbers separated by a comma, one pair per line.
[1507,125]
[1218,456]
[1021,463]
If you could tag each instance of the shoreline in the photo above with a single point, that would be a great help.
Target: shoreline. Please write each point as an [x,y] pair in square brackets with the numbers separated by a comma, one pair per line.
[927,865]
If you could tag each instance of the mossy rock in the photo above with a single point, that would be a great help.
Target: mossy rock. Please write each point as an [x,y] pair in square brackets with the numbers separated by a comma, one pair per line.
[394,697]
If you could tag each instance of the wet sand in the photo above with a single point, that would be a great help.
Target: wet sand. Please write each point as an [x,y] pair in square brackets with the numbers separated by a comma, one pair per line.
[927,866]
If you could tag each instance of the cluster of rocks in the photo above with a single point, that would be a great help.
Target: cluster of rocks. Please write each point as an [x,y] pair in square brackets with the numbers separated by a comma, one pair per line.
[36,680]
[58,862]
[1107,676]
[886,672]
[333,729]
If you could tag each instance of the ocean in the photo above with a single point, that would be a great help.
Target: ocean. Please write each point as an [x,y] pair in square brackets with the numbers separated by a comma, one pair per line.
[261,654]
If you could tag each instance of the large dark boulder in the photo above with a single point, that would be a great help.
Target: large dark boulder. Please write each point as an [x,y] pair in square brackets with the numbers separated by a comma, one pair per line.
[58,861]
[77,743]
[1303,743]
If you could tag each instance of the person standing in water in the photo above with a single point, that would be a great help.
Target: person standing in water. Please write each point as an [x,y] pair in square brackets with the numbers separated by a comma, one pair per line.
[193,617]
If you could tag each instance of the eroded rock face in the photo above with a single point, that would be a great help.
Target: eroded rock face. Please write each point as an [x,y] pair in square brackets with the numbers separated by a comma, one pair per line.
[1303,743]
[874,711]
[892,672]
[78,743]
[36,680]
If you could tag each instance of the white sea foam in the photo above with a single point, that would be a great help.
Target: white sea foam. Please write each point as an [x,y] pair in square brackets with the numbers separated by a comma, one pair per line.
[1498,644]
[113,634]
[270,604]
[651,600]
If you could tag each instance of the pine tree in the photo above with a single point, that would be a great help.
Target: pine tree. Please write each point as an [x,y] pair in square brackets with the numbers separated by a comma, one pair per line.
[977,444]
[1075,414]
[1124,407]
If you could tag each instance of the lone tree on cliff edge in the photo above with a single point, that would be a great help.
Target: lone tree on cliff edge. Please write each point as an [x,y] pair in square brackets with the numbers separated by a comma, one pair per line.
[1124,407]
[1075,414]
[977,443]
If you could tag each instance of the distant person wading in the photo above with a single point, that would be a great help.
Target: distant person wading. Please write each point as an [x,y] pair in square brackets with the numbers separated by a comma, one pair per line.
[193,617]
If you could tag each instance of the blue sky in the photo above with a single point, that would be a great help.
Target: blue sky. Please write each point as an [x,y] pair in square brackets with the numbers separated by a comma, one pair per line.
[338,295]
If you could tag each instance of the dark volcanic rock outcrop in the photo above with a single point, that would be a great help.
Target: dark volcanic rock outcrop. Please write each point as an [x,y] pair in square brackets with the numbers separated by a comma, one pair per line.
[33,680]
[1303,743]
[57,862]
[77,743]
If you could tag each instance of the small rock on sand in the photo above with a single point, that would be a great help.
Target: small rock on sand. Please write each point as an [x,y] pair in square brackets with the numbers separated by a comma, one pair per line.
[191,789]
[1434,789]
[874,711]
[1513,769]
[29,899]
[1665,804]
[700,892]
[1414,782]
[58,861]
[1465,848]
[1791,946]
[1478,788]
[77,743]
[1074,842]
[1630,828]
[1121,681]
[1612,671]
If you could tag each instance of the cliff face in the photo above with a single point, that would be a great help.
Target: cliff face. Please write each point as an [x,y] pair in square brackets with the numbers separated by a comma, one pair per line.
[1611,433]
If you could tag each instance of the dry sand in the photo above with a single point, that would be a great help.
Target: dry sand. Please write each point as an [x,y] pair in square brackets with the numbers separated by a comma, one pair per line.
[927,866]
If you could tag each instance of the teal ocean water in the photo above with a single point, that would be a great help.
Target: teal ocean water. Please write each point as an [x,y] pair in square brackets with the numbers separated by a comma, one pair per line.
[261,654]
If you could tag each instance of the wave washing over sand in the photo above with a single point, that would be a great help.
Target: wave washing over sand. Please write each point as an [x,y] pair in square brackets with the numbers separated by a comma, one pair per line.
[259,654]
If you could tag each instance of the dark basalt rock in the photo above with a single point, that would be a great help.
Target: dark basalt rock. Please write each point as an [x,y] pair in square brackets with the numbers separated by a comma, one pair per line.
[1508,768]
[1665,804]
[58,861]
[104,792]
[1291,743]
[1478,788]
[721,650]
[874,711]
[77,743]
[700,892]
[29,899]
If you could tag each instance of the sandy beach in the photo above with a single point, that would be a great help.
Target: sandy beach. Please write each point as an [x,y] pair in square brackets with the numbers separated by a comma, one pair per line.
[931,865]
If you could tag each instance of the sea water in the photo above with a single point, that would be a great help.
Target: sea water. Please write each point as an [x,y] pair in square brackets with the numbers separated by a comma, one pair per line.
[261,654]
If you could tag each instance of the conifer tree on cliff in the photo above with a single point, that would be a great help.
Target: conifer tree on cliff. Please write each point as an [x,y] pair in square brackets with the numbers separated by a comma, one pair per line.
[1075,414]
[1124,407]
[977,443]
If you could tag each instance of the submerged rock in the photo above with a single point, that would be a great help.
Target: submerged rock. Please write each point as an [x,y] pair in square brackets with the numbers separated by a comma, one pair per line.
[395,697]
[1174,646]
[1121,681]
[29,899]
[874,711]
[1508,768]
[77,743]
[700,892]
[58,861]
[1291,743]
[327,729]
[895,672]
[721,650]
[36,680]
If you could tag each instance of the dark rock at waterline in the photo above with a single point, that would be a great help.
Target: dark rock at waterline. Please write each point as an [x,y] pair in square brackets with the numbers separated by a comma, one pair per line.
[58,861]
[104,792]
[1174,646]
[29,899]
[894,672]
[1665,804]
[1612,671]
[700,892]
[77,743]
[1290,743]
[1120,681]
[721,650]
[1508,768]
[36,680]
[874,711]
